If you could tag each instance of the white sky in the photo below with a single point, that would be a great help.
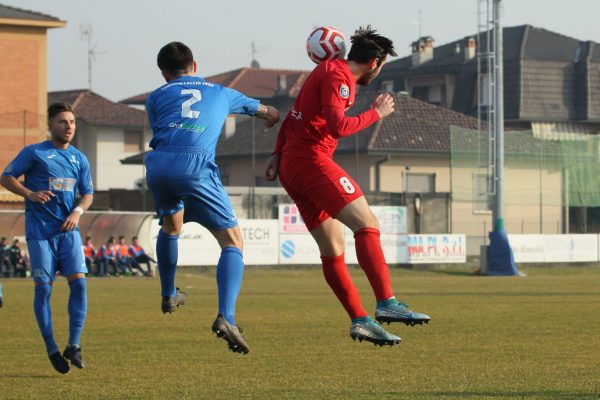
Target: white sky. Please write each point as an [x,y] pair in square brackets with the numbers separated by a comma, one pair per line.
[128,33]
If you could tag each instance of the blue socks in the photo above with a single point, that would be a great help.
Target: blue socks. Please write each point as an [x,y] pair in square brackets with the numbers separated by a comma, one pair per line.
[364,320]
[77,313]
[230,271]
[43,315]
[387,302]
[166,254]
[77,310]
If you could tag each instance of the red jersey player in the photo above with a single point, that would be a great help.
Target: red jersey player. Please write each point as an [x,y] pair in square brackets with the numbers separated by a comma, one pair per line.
[326,195]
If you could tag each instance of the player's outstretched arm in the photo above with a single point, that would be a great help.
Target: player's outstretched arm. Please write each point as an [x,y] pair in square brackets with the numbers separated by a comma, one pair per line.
[269,114]
[272,168]
[73,219]
[12,184]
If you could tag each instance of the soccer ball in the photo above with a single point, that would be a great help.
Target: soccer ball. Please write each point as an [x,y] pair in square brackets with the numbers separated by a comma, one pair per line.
[326,43]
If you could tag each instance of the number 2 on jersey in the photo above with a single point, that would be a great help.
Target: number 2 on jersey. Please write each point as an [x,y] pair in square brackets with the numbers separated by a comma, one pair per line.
[186,106]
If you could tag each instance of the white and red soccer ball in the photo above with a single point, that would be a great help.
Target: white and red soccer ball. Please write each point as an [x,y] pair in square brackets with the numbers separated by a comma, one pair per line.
[326,43]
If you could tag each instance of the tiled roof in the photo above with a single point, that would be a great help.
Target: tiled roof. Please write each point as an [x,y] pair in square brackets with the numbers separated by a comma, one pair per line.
[260,83]
[97,110]
[417,125]
[19,13]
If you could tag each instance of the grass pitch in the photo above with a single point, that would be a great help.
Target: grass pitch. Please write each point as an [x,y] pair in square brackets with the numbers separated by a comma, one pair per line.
[490,338]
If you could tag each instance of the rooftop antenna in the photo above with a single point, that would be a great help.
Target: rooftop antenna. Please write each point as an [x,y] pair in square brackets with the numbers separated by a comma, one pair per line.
[419,22]
[254,50]
[86,31]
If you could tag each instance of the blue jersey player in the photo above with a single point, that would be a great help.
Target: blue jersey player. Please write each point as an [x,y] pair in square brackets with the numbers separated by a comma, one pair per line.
[187,115]
[54,170]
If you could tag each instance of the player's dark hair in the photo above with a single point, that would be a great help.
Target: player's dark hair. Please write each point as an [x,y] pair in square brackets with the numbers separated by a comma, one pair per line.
[121,237]
[367,45]
[134,238]
[175,58]
[88,238]
[57,108]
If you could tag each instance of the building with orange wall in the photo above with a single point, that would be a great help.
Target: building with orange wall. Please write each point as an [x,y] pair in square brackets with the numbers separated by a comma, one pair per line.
[23,83]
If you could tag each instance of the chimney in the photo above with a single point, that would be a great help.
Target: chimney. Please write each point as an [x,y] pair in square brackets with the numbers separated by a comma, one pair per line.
[422,50]
[470,46]
[281,84]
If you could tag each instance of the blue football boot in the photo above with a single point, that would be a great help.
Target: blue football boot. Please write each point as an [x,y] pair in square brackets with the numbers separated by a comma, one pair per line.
[391,310]
[371,331]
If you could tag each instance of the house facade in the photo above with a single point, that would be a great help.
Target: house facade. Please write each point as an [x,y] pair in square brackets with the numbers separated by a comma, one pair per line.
[23,84]
[106,133]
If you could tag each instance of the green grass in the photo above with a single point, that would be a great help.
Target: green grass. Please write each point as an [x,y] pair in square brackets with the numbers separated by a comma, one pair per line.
[490,338]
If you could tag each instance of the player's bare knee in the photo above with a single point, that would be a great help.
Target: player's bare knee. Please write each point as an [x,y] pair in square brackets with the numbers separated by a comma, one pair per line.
[172,224]
[74,277]
[371,221]
[231,237]
[331,246]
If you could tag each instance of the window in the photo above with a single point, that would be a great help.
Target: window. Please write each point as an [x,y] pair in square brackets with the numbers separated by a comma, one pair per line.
[132,142]
[421,93]
[431,94]
[387,86]
[482,200]
[435,95]
[420,183]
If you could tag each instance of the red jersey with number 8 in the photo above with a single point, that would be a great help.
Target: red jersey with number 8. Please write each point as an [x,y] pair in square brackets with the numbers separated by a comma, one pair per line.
[307,140]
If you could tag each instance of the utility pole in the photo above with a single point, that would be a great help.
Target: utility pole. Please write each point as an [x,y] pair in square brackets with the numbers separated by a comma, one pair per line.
[498,206]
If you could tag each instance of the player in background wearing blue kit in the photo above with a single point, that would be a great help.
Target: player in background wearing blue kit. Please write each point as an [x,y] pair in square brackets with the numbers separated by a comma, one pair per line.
[187,115]
[54,170]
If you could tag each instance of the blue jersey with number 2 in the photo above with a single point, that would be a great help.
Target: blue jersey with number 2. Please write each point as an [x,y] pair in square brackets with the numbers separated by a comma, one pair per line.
[189,112]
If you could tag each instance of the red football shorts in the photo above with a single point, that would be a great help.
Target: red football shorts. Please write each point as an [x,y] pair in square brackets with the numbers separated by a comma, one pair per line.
[319,187]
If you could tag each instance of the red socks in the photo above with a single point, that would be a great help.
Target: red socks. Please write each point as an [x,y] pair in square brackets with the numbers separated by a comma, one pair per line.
[338,278]
[372,261]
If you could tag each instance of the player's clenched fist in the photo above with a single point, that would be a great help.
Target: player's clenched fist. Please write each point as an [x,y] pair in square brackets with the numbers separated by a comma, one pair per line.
[384,105]
[269,114]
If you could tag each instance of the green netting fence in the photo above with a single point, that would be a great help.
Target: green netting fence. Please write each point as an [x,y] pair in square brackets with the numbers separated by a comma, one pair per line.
[537,171]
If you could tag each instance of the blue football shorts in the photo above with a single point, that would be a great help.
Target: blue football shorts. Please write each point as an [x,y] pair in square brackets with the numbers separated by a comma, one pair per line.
[61,253]
[189,179]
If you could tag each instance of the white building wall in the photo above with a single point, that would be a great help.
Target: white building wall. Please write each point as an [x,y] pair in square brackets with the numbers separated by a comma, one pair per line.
[110,173]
